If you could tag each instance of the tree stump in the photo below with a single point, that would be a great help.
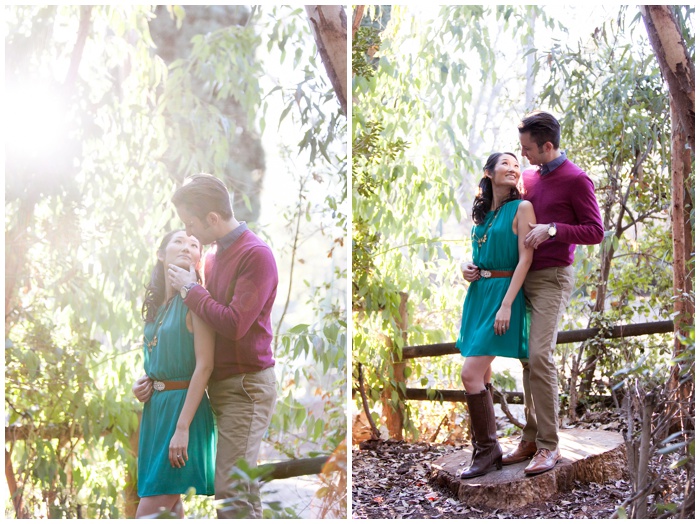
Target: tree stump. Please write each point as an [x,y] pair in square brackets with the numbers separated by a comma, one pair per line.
[587,456]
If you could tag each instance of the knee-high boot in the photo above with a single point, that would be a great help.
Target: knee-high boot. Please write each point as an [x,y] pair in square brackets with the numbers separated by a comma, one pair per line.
[489,388]
[487,452]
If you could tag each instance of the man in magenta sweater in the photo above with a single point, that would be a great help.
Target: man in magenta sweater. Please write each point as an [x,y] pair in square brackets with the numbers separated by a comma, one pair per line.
[241,285]
[567,214]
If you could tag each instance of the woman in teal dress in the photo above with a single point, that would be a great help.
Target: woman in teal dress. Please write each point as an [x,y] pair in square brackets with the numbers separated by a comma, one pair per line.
[177,440]
[494,317]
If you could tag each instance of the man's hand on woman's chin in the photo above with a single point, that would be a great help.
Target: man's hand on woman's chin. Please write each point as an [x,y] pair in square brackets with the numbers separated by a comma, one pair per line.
[179,277]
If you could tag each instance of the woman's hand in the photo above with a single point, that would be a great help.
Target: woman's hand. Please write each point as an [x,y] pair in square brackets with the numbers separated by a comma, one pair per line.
[178,448]
[502,322]
[143,388]
[470,272]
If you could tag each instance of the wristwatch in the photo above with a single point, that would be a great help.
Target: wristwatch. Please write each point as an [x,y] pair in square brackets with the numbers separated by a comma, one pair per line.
[552,231]
[186,289]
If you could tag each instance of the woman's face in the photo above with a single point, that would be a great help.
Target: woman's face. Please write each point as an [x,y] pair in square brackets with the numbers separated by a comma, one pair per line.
[506,172]
[182,251]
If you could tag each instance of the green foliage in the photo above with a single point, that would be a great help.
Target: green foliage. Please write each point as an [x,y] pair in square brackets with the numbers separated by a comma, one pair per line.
[416,126]
[72,403]
[366,42]
[242,475]
[83,217]
[433,98]
[308,416]
[616,125]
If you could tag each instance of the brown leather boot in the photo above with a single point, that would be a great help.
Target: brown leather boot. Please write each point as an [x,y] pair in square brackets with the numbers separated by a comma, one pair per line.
[487,452]
[525,451]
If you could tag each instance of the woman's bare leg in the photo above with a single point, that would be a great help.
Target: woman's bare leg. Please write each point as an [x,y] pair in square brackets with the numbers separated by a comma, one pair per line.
[154,505]
[487,375]
[474,373]
[179,510]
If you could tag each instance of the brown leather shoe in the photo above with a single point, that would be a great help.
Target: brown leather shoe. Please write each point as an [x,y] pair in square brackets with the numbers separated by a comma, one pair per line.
[525,451]
[544,460]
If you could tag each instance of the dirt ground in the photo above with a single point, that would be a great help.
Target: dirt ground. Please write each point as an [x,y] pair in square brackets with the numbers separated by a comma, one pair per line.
[391,480]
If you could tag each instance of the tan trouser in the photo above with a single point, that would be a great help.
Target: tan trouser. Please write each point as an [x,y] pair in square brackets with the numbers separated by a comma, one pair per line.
[547,292]
[243,405]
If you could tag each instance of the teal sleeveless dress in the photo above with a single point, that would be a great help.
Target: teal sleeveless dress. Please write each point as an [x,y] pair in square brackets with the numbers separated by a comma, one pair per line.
[499,252]
[173,358]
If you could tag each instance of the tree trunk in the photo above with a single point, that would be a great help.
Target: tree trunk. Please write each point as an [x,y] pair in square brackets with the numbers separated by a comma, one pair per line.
[244,177]
[679,217]
[679,72]
[675,64]
[15,492]
[681,205]
[357,18]
[328,25]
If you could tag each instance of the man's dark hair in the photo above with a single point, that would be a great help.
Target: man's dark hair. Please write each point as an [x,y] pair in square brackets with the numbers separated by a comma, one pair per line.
[542,127]
[202,194]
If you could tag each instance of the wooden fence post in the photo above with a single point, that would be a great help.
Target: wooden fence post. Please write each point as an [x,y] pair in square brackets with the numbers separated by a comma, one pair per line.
[394,415]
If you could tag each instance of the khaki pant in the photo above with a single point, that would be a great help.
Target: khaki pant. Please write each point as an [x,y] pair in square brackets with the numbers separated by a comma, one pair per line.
[547,292]
[243,405]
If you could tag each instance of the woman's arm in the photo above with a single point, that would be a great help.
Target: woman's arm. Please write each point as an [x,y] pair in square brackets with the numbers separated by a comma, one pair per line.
[523,217]
[204,353]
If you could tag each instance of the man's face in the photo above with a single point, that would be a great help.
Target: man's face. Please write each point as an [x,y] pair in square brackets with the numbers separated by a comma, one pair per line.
[195,227]
[529,149]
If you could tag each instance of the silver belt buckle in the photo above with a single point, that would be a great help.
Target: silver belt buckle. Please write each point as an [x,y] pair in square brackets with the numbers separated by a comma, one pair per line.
[485,273]
[158,385]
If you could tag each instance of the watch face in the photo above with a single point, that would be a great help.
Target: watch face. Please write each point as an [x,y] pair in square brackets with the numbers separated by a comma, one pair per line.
[183,292]
[552,231]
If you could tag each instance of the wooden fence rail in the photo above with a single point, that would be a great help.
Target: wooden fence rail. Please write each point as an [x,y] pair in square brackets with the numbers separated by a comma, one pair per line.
[516,397]
[563,337]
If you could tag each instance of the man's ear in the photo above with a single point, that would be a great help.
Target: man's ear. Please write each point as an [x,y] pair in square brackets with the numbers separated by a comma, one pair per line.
[213,218]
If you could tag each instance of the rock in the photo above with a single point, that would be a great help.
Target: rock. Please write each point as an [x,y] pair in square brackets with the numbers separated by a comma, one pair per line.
[587,456]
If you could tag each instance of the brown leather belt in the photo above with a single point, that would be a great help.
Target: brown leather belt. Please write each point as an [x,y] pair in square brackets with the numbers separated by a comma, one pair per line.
[167,385]
[485,273]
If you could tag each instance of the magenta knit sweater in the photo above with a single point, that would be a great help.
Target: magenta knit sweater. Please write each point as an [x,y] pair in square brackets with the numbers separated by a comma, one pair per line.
[566,197]
[241,285]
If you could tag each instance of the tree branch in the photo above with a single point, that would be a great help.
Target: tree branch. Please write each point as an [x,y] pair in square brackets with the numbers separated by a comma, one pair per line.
[365,404]
[77,55]
[328,25]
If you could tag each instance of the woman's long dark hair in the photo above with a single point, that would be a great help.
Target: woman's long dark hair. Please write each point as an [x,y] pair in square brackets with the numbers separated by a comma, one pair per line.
[155,290]
[484,196]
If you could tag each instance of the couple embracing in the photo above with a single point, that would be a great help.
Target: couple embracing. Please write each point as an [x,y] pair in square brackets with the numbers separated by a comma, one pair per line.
[521,280]
[209,387]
